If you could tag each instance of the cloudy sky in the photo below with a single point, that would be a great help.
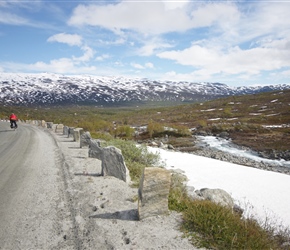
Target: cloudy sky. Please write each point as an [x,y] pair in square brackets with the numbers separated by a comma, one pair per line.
[234,42]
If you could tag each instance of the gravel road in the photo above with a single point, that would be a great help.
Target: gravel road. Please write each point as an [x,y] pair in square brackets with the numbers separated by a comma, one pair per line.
[32,203]
[52,197]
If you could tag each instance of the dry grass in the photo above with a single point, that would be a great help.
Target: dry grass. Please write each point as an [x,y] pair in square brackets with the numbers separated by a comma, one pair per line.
[241,116]
[213,226]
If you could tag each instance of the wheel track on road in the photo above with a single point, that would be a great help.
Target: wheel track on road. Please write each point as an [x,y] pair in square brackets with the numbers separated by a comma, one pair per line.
[68,198]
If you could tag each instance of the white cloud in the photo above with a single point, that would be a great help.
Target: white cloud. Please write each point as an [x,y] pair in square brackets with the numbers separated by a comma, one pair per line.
[233,60]
[102,57]
[74,40]
[118,41]
[286,73]
[70,39]
[153,17]
[193,76]
[12,19]
[137,66]
[280,44]
[13,13]
[177,4]
[215,13]
[147,65]
[257,21]
[88,54]
[152,46]
[147,49]
[62,66]
[59,66]
[271,17]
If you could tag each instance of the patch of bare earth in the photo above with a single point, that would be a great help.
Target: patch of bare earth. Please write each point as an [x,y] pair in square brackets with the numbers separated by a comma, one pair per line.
[263,141]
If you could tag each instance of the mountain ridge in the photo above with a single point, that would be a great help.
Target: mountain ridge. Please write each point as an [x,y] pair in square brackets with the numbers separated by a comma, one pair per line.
[54,89]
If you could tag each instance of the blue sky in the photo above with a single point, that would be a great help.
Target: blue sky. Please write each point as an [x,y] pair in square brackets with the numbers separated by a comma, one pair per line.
[234,42]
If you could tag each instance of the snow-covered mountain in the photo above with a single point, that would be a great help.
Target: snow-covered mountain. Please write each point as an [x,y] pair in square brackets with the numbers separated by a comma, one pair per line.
[53,89]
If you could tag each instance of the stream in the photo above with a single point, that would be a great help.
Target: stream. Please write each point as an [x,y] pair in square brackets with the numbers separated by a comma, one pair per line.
[229,147]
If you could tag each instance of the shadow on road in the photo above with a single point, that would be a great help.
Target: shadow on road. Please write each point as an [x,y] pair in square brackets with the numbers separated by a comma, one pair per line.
[8,130]
[80,157]
[89,174]
[131,215]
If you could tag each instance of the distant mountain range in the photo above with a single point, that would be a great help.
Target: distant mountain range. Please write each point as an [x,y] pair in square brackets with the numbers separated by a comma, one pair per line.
[53,89]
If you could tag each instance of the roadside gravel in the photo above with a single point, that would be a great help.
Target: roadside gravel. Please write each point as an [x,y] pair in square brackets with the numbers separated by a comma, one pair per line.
[104,209]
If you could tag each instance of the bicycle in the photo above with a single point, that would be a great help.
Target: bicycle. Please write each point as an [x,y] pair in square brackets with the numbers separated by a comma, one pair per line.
[13,125]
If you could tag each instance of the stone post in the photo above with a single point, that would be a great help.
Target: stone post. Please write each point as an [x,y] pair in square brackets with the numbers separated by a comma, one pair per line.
[113,164]
[85,138]
[65,130]
[70,132]
[49,124]
[43,124]
[153,192]
[77,134]
[59,129]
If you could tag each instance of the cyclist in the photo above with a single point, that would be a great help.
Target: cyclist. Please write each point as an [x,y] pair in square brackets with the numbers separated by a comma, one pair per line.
[13,118]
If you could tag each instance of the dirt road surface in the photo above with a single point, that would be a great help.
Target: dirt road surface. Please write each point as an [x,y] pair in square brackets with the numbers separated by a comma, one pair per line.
[33,211]
[52,197]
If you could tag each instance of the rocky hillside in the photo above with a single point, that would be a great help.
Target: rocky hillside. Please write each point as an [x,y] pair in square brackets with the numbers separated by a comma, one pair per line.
[52,89]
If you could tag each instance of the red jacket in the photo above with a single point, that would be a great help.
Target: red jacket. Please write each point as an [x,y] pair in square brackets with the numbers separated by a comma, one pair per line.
[13,117]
